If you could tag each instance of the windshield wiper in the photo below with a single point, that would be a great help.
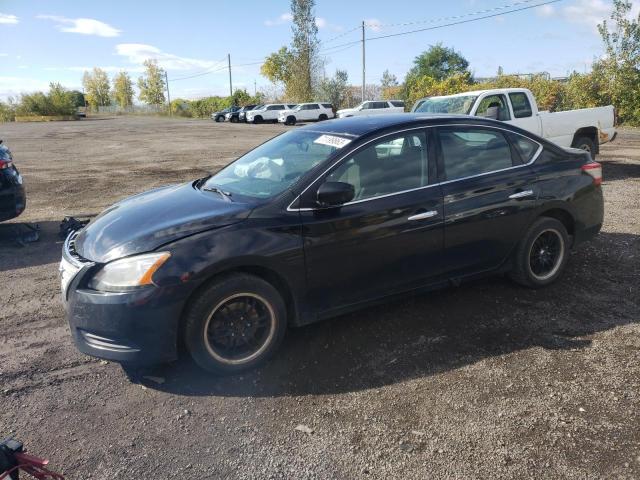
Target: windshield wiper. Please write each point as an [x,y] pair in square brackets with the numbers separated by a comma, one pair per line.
[223,194]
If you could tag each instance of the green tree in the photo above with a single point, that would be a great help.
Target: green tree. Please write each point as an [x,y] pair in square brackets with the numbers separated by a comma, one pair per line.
[123,89]
[621,64]
[241,97]
[277,66]
[78,98]
[388,80]
[61,101]
[152,85]
[439,62]
[97,88]
[335,89]
[304,47]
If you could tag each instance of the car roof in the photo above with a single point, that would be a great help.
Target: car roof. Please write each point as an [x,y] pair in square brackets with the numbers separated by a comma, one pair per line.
[359,126]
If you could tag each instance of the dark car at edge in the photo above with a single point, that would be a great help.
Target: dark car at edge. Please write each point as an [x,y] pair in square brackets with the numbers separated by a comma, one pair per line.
[220,115]
[320,221]
[240,114]
[13,198]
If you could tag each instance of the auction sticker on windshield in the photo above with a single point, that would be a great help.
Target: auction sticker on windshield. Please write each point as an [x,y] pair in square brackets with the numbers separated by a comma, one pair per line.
[332,141]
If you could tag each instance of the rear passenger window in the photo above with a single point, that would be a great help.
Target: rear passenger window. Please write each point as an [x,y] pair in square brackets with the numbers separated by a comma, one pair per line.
[520,104]
[473,151]
[526,147]
[327,105]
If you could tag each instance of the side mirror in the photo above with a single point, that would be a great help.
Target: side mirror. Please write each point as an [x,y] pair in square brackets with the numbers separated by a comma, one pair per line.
[333,194]
[493,112]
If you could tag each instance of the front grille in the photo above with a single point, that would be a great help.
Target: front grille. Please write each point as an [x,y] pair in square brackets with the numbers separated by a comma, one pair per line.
[70,250]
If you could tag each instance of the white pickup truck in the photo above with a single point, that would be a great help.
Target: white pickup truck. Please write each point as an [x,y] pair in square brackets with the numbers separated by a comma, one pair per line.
[586,128]
[372,108]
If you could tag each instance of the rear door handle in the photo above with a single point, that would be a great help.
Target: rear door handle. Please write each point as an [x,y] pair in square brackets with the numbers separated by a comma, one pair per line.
[424,215]
[524,193]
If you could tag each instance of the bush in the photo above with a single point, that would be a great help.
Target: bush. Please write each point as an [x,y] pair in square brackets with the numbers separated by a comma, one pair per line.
[7,112]
[59,101]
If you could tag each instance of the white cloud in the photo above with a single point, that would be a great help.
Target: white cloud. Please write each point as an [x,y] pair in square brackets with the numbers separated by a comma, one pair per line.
[137,53]
[4,54]
[84,26]
[374,24]
[281,20]
[546,11]
[14,86]
[6,19]
[107,68]
[589,13]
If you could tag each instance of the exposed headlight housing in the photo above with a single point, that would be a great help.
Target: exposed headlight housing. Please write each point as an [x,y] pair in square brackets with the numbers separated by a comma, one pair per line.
[128,273]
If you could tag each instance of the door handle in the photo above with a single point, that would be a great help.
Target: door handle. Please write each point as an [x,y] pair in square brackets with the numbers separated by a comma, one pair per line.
[422,216]
[524,193]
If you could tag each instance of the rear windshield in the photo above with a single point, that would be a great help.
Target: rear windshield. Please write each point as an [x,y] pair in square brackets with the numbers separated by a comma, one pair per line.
[327,105]
[397,103]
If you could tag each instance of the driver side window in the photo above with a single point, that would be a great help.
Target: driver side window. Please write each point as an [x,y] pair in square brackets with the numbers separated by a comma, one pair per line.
[392,165]
[494,101]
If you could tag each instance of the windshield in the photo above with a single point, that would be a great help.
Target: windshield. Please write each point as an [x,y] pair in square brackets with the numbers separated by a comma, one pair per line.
[460,105]
[275,165]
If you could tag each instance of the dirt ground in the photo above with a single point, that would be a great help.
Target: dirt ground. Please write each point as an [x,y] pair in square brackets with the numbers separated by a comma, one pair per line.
[487,380]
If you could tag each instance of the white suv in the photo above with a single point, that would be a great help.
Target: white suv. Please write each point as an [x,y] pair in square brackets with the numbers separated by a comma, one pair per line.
[306,112]
[373,108]
[268,112]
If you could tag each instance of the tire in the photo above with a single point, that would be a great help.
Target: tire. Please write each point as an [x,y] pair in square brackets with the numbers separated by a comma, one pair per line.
[586,144]
[208,332]
[535,268]
[322,117]
[234,119]
[257,119]
[291,120]
[219,118]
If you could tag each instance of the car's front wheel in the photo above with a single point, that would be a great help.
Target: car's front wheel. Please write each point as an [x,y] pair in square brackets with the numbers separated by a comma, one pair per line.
[542,254]
[257,119]
[234,324]
[219,118]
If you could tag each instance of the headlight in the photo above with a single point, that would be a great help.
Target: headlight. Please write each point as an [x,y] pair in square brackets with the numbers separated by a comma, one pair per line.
[129,272]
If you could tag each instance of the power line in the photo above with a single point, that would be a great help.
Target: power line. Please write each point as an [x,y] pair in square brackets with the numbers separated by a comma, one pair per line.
[529,7]
[454,17]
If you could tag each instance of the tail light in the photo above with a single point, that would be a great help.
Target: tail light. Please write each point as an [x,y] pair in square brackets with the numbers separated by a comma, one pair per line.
[594,169]
[5,164]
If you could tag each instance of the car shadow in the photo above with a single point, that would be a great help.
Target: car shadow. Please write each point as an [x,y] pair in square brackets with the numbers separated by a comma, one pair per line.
[14,255]
[433,333]
[613,170]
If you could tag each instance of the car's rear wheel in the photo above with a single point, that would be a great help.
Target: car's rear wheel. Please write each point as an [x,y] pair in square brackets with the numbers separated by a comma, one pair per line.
[542,254]
[586,144]
[234,119]
[322,117]
[234,324]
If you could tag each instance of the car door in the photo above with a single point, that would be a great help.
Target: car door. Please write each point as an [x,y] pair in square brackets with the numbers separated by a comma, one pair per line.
[489,192]
[523,116]
[311,111]
[389,238]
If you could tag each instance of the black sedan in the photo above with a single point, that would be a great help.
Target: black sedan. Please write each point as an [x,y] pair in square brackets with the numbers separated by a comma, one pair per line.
[13,199]
[220,116]
[239,115]
[319,221]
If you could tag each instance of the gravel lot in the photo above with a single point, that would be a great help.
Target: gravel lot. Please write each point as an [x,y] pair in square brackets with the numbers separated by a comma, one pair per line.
[487,380]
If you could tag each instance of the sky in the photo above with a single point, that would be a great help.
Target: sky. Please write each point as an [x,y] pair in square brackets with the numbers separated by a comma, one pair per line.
[56,40]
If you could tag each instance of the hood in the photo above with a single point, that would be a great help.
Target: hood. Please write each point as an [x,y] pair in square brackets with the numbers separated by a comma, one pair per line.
[149,220]
[345,110]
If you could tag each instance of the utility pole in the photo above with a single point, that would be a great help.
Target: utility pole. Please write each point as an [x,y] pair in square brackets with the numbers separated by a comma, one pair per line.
[363,69]
[166,80]
[255,88]
[229,63]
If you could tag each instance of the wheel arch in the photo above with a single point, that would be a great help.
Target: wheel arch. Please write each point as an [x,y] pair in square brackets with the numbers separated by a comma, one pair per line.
[589,132]
[270,275]
[563,216]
